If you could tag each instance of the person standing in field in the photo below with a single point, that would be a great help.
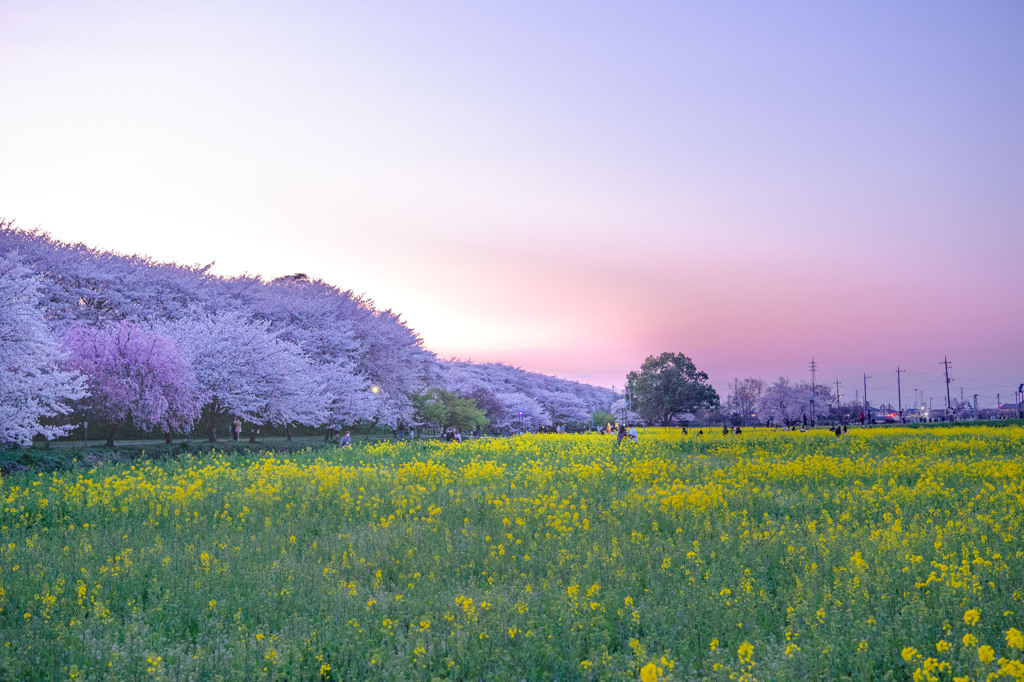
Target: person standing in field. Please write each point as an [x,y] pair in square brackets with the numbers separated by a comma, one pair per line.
[236,428]
[632,433]
[346,440]
[620,434]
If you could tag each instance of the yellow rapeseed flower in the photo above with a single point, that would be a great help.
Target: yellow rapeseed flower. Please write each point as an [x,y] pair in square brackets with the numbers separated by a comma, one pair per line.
[1014,669]
[650,673]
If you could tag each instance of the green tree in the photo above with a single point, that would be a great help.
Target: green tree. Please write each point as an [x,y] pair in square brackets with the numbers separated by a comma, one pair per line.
[447,409]
[667,386]
[601,417]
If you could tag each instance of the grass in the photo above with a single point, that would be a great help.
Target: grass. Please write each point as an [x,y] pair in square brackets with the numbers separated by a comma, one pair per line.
[65,454]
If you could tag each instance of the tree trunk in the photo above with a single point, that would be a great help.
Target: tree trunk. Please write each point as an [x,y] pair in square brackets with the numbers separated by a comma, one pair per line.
[167,438]
[214,413]
[110,435]
[288,431]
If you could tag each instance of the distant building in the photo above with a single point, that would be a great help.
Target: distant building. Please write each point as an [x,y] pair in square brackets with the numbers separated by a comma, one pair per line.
[1008,411]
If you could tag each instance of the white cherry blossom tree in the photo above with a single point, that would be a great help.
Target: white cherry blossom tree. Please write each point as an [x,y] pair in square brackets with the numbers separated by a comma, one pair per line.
[34,389]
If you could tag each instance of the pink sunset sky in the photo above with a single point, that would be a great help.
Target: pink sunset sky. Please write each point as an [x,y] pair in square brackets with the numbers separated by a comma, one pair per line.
[564,186]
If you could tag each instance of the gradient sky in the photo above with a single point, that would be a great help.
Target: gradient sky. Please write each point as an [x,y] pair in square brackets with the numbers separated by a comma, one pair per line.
[564,186]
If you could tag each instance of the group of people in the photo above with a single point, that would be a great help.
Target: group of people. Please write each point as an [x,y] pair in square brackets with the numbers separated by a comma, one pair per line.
[236,430]
[623,432]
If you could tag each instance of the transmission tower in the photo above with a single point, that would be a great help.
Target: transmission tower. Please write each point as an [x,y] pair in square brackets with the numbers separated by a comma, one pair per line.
[814,368]
[949,402]
[899,392]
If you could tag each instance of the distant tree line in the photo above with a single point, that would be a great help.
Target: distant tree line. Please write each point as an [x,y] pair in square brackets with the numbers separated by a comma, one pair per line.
[669,389]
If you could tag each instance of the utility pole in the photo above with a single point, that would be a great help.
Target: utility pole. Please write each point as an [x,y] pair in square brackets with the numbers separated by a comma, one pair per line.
[975,407]
[899,392]
[949,403]
[867,406]
[814,368]
[837,398]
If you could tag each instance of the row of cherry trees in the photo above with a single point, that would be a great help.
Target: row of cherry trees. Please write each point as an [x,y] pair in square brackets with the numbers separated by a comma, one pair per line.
[515,399]
[781,403]
[126,340]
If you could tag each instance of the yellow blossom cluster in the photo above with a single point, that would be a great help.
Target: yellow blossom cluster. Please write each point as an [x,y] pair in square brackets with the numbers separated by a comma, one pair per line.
[765,555]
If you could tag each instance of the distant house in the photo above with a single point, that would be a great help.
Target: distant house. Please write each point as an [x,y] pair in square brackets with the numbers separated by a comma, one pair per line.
[1008,411]
[884,414]
[1004,411]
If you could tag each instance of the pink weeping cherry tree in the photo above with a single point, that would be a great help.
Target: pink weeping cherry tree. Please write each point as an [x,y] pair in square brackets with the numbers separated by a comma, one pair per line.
[135,374]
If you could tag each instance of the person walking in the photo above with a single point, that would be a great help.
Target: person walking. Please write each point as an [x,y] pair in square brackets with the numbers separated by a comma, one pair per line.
[236,428]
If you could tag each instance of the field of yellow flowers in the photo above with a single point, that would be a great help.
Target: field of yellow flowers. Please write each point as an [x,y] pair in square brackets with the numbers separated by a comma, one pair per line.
[882,554]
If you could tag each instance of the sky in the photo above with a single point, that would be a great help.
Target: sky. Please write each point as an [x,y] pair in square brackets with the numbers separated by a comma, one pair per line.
[568,187]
